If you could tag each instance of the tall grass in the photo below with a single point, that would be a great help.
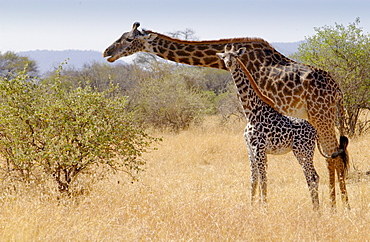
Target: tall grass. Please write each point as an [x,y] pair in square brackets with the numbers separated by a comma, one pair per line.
[196,188]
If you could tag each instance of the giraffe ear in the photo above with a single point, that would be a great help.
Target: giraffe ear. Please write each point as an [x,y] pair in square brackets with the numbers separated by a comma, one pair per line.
[241,51]
[221,55]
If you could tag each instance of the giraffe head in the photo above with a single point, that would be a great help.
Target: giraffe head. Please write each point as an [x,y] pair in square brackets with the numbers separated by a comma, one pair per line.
[229,56]
[129,43]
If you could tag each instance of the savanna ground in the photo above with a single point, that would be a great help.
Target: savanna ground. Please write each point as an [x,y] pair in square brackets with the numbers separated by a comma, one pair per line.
[196,188]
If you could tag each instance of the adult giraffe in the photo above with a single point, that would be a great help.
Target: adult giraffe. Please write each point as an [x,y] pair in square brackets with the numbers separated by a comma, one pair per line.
[298,90]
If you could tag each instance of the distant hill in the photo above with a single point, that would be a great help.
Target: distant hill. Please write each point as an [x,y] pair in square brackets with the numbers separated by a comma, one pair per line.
[48,60]
[287,48]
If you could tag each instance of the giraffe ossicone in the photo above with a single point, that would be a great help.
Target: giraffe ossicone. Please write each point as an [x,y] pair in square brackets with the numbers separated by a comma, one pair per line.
[296,89]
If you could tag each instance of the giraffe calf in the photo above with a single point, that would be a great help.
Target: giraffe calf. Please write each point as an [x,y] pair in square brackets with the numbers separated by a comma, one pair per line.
[269,132]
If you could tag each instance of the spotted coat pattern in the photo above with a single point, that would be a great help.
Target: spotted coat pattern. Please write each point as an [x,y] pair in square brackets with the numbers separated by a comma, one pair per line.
[269,132]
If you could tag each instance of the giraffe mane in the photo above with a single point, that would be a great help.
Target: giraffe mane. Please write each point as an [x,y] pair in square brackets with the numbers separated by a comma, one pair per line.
[220,41]
[264,98]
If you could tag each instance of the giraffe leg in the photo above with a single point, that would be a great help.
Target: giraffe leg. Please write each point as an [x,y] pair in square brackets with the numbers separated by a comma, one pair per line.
[325,127]
[342,182]
[331,170]
[304,152]
[341,168]
[258,163]
[254,170]
[254,180]
[312,179]
[261,160]
[338,165]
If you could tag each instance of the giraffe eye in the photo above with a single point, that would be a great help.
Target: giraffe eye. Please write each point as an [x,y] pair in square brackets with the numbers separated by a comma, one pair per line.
[129,40]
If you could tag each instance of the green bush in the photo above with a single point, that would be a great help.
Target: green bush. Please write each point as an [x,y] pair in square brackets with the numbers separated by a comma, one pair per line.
[167,101]
[228,105]
[11,62]
[49,131]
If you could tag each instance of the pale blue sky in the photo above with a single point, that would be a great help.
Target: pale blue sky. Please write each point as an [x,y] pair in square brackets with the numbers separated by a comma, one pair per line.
[93,25]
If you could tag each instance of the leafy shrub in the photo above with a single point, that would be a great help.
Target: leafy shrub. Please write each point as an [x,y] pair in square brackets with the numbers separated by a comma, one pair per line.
[11,62]
[228,105]
[167,101]
[47,130]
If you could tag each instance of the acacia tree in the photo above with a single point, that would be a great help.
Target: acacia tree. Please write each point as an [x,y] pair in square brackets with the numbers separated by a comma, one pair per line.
[10,63]
[343,51]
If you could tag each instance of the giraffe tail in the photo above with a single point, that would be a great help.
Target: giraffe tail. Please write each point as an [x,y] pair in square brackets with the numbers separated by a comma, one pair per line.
[341,151]
[321,151]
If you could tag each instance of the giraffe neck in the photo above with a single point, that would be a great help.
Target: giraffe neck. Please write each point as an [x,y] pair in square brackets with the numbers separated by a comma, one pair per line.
[203,53]
[254,85]
[250,99]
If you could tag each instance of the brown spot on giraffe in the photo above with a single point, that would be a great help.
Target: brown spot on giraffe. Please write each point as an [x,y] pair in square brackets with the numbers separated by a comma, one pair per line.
[183,53]
[198,54]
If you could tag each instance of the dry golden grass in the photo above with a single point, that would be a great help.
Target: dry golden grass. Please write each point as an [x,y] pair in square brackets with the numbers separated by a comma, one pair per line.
[196,188]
